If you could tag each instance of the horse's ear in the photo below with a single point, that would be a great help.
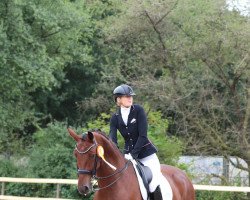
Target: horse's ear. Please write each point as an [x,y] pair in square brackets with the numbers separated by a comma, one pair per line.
[90,136]
[74,135]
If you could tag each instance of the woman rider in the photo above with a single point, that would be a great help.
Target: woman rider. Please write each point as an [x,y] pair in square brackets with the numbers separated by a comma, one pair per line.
[131,121]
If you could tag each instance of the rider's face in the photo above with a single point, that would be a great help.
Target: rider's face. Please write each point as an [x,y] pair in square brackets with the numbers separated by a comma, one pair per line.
[125,101]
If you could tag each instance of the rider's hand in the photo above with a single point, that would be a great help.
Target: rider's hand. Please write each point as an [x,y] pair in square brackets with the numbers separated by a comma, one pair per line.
[128,156]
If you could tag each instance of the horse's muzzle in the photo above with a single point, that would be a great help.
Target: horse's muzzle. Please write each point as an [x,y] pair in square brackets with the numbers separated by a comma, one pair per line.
[84,190]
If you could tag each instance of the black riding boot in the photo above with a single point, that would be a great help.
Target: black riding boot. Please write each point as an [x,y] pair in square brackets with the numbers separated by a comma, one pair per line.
[151,196]
[156,195]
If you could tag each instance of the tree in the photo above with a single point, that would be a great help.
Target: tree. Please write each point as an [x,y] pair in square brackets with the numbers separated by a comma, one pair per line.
[191,61]
[38,40]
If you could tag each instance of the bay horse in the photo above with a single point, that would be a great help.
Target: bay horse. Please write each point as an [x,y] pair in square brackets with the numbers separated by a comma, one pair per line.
[115,175]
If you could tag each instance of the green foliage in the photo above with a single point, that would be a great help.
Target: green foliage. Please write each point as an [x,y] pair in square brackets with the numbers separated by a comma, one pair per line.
[80,68]
[191,62]
[42,190]
[41,41]
[51,156]
[210,195]
[100,123]
[170,148]
[8,169]
[13,116]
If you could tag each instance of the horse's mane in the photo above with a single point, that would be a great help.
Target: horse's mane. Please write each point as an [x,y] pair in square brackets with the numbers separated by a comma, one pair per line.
[102,133]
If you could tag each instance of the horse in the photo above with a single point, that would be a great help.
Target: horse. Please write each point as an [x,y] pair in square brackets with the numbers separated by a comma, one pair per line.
[115,175]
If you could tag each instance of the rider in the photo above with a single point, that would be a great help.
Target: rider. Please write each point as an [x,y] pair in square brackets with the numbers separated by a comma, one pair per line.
[131,121]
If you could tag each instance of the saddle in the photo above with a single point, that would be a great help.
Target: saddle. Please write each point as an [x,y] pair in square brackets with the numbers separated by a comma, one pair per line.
[145,173]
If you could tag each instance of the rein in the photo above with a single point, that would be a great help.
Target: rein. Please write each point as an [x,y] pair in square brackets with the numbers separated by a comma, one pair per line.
[93,171]
[105,177]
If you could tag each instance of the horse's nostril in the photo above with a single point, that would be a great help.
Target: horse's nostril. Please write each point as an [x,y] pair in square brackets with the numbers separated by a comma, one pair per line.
[86,189]
[83,189]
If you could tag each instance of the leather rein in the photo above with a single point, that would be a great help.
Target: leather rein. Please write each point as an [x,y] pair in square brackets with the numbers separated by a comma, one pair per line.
[93,171]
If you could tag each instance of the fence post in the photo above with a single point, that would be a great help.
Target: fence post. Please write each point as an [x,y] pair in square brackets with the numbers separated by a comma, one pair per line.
[2,190]
[58,191]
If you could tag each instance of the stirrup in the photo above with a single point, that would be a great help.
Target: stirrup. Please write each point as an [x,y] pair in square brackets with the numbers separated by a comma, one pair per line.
[157,194]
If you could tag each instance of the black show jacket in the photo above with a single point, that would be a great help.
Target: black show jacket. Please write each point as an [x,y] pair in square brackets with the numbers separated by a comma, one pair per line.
[134,134]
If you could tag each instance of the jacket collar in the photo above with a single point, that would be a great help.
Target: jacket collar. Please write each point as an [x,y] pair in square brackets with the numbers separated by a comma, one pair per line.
[118,112]
[119,115]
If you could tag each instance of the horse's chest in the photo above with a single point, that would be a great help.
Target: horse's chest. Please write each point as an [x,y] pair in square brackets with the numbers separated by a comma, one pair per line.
[120,194]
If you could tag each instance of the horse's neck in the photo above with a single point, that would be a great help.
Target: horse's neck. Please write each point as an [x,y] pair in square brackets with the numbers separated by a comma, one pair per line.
[117,182]
[114,157]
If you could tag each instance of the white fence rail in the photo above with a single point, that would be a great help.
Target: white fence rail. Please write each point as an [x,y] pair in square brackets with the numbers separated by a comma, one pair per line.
[222,188]
[60,182]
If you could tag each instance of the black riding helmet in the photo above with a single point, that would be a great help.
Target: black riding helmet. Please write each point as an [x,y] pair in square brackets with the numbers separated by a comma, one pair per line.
[123,90]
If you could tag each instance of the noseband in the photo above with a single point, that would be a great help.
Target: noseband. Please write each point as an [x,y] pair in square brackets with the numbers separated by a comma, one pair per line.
[93,171]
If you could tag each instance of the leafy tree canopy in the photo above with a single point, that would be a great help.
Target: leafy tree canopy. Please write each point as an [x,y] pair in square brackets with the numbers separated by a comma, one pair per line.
[38,40]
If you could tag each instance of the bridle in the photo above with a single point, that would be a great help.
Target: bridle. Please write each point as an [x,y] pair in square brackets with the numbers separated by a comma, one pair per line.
[93,171]
[85,171]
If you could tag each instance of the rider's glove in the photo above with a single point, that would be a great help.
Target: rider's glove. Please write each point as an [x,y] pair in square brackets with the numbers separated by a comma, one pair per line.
[128,156]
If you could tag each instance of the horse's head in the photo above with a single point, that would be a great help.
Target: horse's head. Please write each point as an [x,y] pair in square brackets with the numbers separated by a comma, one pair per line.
[87,159]
[89,153]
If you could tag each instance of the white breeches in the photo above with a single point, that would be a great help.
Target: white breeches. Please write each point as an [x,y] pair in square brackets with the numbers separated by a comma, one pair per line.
[153,163]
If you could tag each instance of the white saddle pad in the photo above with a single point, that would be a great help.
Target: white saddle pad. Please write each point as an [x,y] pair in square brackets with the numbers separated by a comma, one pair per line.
[166,190]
